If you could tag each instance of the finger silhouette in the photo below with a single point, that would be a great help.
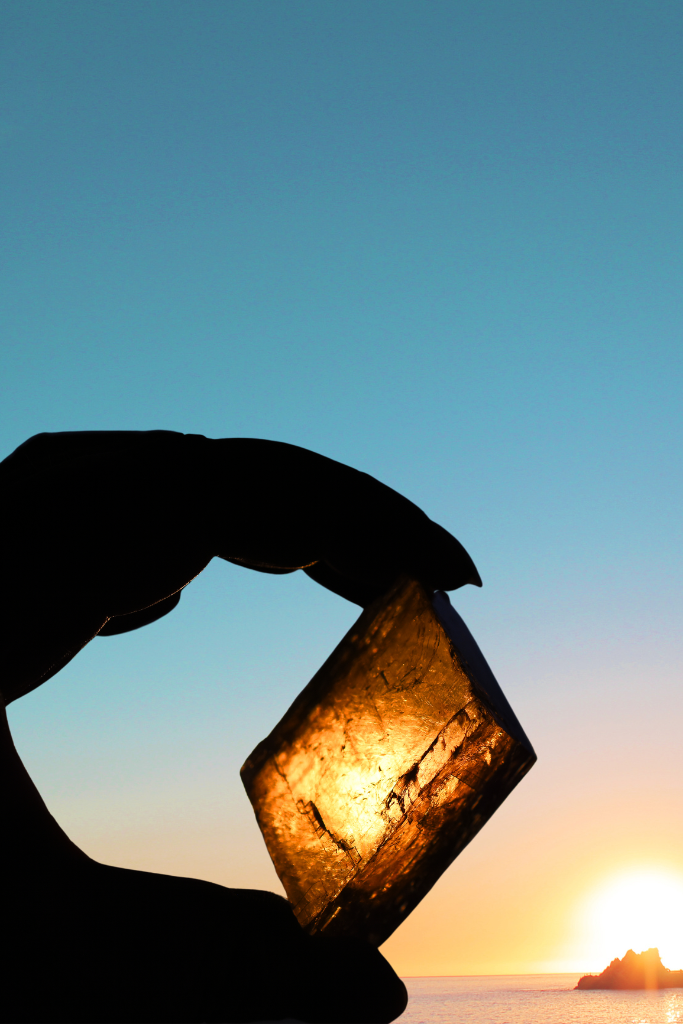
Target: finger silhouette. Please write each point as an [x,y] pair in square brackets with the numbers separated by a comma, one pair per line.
[101,531]
[104,528]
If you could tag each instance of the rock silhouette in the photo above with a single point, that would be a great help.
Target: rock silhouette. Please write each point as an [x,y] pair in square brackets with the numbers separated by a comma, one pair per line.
[100,532]
[634,971]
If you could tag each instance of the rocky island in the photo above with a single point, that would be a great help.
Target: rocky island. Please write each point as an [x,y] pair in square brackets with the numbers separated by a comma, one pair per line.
[635,970]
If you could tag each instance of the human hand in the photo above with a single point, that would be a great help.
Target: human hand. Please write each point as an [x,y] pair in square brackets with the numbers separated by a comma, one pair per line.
[104,529]
[101,532]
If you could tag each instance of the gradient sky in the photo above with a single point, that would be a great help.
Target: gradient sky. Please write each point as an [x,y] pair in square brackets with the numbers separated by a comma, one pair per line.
[440,242]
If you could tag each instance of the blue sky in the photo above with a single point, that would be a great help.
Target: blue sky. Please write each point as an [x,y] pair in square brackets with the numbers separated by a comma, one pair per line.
[438,241]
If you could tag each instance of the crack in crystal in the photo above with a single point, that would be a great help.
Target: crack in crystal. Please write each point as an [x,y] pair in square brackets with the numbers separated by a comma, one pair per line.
[402,786]
[309,809]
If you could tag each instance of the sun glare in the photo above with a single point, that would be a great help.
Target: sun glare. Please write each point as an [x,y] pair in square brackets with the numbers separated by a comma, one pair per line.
[635,910]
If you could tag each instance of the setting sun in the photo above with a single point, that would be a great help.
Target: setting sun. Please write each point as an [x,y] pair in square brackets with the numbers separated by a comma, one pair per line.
[635,910]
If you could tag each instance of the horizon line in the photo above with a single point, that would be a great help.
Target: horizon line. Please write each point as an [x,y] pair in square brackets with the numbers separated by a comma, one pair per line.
[494,974]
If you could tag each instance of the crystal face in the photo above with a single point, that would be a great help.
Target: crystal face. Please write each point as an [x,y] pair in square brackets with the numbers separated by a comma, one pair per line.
[385,766]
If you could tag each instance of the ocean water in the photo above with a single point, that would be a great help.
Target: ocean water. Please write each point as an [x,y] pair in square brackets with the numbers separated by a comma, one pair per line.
[533,999]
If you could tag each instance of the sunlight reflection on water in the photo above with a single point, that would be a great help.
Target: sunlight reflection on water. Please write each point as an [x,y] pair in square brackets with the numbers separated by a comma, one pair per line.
[533,999]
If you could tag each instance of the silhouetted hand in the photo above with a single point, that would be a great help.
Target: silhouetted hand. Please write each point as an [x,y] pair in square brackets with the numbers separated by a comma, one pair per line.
[100,533]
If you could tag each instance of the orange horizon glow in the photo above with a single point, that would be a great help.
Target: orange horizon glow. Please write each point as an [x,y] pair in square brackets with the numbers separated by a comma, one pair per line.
[543,915]
[636,909]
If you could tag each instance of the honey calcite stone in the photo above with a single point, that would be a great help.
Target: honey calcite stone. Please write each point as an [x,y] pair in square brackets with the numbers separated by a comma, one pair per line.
[385,767]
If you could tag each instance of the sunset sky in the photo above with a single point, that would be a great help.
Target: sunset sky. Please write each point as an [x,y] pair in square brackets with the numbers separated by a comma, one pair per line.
[438,241]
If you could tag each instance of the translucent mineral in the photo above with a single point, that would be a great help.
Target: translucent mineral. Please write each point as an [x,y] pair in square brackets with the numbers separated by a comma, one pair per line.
[384,768]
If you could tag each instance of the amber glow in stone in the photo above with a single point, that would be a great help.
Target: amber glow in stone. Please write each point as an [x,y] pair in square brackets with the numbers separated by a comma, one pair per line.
[385,766]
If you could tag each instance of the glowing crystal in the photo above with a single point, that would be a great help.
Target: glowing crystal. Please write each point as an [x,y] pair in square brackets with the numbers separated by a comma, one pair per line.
[386,765]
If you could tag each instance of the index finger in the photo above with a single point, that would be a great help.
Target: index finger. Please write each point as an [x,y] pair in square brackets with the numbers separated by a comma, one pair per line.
[378,535]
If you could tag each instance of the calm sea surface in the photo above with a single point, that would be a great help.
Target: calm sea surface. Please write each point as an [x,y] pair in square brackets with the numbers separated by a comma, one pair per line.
[533,999]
